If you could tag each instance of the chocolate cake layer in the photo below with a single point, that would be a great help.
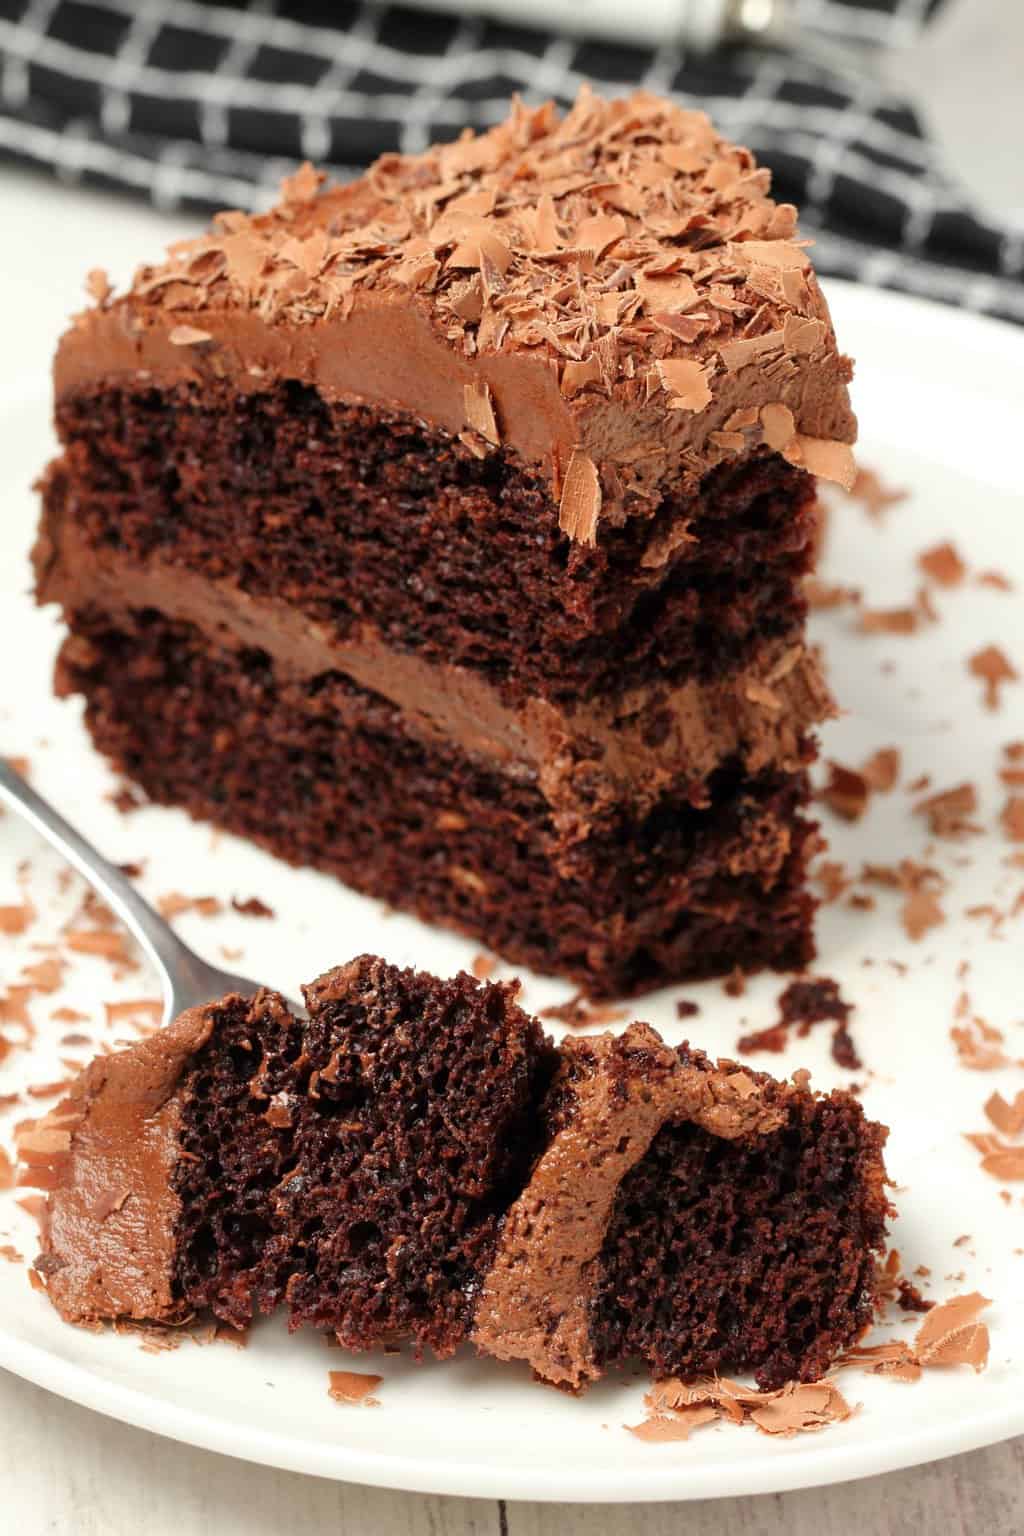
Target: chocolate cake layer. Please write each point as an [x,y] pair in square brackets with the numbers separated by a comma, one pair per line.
[325,773]
[339,510]
[234,1152]
[415,1162]
[753,1253]
[630,747]
[415,1131]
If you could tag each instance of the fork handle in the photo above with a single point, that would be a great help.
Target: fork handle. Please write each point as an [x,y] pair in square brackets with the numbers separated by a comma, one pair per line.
[156,938]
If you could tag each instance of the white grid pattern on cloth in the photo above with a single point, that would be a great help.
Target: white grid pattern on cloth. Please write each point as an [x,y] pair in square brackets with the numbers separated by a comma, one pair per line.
[245,44]
[115,97]
[545,74]
[14,77]
[46,146]
[315,127]
[427,99]
[772,100]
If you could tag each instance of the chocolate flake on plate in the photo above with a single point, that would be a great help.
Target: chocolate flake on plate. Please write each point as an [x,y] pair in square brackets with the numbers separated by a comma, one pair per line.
[948,811]
[1012,818]
[252,907]
[942,563]
[882,769]
[873,494]
[846,792]
[16,919]
[994,668]
[1007,1118]
[353,1387]
[792,1409]
[174,904]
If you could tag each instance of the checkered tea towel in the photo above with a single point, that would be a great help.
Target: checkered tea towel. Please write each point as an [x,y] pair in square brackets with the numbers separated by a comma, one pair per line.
[206,105]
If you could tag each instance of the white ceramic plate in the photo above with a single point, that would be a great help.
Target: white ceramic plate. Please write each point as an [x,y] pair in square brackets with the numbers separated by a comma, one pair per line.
[940,404]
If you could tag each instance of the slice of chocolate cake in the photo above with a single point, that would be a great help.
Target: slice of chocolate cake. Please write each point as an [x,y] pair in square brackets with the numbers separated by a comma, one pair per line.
[357,1163]
[417,1162]
[447,529]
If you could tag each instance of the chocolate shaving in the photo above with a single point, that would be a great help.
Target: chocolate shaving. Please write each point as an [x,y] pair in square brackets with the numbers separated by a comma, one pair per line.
[1012,818]
[874,495]
[252,907]
[994,668]
[187,336]
[97,285]
[846,792]
[676,1408]
[881,771]
[948,811]
[687,383]
[979,1045]
[353,1387]
[14,920]
[174,904]
[480,411]
[104,944]
[581,499]
[998,1158]
[942,564]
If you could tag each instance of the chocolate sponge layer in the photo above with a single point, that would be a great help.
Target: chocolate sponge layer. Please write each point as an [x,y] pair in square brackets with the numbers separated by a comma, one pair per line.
[353,515]
[324,773]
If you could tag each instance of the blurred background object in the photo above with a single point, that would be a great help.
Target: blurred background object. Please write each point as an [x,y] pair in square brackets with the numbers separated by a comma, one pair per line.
[894,124]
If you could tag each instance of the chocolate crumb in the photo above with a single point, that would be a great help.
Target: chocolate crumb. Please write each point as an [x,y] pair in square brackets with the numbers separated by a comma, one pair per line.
[252,907]
[686,1008]
[735,984]
[579,1013]
[126,799]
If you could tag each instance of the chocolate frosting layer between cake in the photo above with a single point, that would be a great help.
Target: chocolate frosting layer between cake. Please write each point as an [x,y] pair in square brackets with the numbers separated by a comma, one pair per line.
[106,1154]
[638,743]
[614,295]
[534,1302]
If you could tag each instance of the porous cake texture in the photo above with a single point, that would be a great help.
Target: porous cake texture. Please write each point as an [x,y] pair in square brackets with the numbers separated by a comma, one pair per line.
[447,530]
[416,1161]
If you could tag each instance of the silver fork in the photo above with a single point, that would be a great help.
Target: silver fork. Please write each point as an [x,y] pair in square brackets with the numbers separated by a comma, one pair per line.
[185,980]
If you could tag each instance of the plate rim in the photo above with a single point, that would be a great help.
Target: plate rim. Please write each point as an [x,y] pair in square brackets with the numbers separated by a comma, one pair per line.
[472,1479]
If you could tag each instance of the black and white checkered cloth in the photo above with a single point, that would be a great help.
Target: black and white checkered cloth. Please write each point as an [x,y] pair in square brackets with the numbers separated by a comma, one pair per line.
[206,105]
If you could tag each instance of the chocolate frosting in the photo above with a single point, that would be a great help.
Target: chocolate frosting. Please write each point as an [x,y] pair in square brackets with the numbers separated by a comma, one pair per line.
[534,1303]
[106,1154]
[637,744]
[612,295]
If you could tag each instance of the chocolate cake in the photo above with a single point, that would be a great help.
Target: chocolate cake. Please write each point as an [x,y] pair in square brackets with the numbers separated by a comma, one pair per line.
[447,529]
[416,1161]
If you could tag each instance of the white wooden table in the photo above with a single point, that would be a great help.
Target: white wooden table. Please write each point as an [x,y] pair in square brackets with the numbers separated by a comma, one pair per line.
[68,1471]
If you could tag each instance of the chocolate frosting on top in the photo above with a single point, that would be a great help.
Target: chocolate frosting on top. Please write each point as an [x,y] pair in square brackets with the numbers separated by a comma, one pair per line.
[106,1154]
[613,295]
[619,1092]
